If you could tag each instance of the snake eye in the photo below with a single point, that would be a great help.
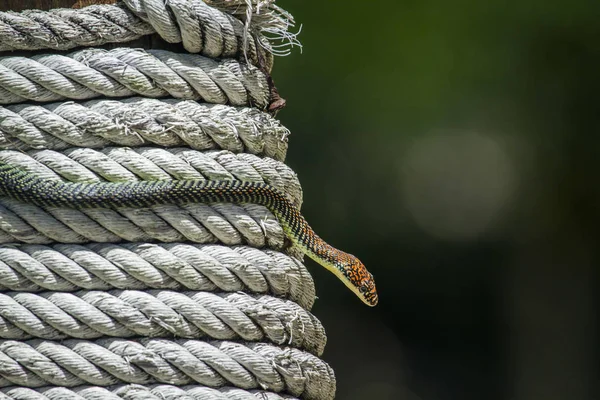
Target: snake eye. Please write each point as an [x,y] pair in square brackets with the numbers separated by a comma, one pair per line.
[364,289]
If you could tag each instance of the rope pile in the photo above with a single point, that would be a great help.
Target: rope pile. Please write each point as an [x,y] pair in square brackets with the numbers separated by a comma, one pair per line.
[202,301]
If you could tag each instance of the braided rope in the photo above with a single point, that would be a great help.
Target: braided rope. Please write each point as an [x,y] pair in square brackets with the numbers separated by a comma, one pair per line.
[213,30]
[64,29]
[137,122]
[159,313]
[138,266]
[105,362]
[121,72]
[139,392]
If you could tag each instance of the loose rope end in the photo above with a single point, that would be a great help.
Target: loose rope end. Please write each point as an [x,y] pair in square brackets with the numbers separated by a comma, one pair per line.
[266,18]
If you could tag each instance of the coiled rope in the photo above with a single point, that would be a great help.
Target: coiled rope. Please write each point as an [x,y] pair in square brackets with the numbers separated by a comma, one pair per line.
[146,392]
[213,28]
[135,122]
[203,301]
[91,73]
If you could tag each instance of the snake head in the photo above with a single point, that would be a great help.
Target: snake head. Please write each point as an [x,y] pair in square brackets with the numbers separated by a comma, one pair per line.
[359,280]
[369,291]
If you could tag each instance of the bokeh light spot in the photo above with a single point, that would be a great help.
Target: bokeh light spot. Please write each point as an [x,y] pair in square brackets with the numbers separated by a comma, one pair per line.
[456,185]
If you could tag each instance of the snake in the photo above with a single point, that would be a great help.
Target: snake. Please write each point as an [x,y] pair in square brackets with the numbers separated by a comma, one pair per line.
[22,185]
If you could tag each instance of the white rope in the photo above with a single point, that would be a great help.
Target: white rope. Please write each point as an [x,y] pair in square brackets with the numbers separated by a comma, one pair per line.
[64,29]
[137,122]
[138,266]
[121,72]
[105,362]
[159,313]
[215,32]
[139,392]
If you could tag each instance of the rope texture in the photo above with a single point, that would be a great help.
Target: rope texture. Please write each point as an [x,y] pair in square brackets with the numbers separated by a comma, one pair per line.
[159,313]
[122,72]
[201,28]
[106,362]
[190,302]
[139,266]
[139,392]
[138,122]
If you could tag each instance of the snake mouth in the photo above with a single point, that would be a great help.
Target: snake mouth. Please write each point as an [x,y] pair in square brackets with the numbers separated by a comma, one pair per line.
[372,300]
[368,291]
[368,294]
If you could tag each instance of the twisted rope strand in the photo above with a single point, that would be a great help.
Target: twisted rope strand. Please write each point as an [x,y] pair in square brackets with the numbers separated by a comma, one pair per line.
[138,266]
[105,362]
[127,314]
[122,72]
[139,392]
[137,122]
[199,27]
[64,29]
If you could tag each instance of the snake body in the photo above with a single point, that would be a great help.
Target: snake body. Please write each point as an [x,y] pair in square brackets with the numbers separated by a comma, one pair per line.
[24,186]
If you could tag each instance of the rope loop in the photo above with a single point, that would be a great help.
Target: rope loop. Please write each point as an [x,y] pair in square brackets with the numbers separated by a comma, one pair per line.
[136,122]
[122,72]
[104,362]
[143,266]
[216,29]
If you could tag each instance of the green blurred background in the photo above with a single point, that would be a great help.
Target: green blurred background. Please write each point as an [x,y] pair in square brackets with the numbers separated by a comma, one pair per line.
[453,147]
